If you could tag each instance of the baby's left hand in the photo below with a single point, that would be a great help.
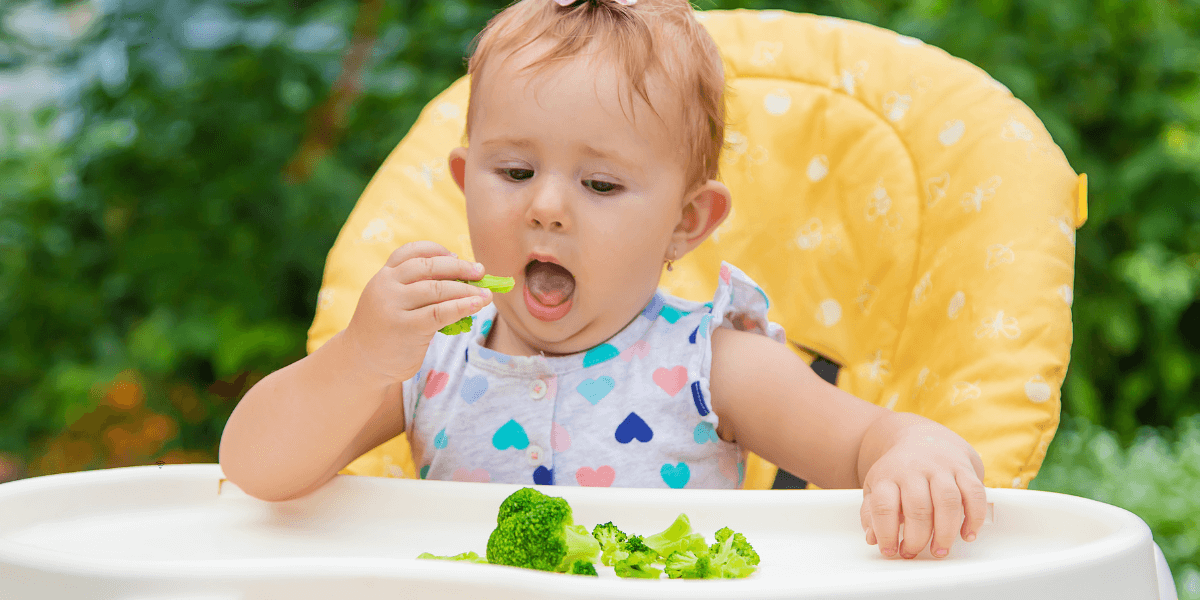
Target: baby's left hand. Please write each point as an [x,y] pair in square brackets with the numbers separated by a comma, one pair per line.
[927,482]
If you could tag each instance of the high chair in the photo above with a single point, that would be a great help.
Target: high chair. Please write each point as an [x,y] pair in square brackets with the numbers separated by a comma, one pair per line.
[910,220]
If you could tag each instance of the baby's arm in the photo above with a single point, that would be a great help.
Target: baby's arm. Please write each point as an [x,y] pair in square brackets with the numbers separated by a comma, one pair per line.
[299,426]
[772,403]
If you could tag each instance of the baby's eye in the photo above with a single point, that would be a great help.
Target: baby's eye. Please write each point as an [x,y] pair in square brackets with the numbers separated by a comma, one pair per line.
[510,171]
[605,186]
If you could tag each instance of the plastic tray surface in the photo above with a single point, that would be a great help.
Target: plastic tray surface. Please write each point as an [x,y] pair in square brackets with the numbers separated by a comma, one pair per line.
[182,532]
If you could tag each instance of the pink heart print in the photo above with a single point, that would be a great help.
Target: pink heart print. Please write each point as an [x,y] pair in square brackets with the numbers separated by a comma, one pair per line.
[641,350]
[725,274]
[671,380]
[560,440]
[477,476]
[602,477]
[435,383]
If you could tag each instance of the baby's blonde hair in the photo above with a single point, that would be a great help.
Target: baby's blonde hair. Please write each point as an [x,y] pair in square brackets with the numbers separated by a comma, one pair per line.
[659,38]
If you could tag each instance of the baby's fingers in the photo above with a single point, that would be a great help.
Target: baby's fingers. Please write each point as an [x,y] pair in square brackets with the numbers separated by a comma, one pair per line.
[885,517]
[947,511]
[974,503]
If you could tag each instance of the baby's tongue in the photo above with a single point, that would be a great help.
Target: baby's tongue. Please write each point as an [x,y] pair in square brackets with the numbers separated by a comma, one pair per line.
[551,284]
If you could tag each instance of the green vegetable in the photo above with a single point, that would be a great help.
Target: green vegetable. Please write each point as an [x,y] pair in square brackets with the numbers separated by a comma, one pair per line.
[535,531]
[679,537]
[638,560]
[583,567]
[466,556]
[689,565]
[729,560]
[740,545]
[498,285]
[611,541]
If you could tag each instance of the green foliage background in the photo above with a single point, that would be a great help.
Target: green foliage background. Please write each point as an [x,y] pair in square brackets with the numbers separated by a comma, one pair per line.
[163,234]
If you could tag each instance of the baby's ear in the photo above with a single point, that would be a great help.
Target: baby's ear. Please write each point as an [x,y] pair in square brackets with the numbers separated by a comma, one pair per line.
[706,208]
[458,167]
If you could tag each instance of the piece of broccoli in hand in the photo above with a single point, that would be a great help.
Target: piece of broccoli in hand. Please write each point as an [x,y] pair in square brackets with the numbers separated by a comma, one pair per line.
[583,567]
[678,537]
[611,541]
[740,545]
[465,556]
[462,325]
[498,285]
[536,531]
[690,565]
[638,560]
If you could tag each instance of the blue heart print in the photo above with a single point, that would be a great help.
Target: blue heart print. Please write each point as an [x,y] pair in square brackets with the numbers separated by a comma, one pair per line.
[672,314]
[440,440]
[543,476]
[698,398]
[490,354]
[424,471]
[510,435]
[704,325]
[473,388]
[651,311]
[633,427]
[596,389]
[487,326]
[676,476]
[705,433]
[600,354]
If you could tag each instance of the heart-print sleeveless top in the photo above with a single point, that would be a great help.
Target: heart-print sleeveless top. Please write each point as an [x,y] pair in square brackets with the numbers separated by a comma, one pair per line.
[634,411]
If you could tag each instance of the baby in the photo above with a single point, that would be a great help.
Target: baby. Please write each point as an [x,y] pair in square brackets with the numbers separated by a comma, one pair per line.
[586,373]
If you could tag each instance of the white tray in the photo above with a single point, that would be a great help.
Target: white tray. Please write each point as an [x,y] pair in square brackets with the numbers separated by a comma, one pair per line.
[179,532]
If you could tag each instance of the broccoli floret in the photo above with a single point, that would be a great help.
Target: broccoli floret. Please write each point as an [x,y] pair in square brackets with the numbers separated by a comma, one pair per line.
[678,537]
[583,567]
[740,545]
[636,559]
[611,539]
[535,531]
[465,556]
[727,561]
[690,565]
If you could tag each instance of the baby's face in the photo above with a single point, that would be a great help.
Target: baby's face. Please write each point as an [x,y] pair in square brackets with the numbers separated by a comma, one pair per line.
[534,185]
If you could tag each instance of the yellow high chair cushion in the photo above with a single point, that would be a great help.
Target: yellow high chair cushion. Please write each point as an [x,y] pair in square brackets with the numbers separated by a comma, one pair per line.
[909,219]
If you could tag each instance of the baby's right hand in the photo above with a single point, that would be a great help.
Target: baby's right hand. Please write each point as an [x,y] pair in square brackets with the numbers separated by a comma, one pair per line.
[406,302]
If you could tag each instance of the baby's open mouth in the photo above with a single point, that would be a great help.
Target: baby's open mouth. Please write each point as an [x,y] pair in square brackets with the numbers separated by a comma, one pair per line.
[549,283]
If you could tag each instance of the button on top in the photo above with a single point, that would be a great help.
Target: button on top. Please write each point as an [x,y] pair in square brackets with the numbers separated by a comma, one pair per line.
[537,389]
[535,454]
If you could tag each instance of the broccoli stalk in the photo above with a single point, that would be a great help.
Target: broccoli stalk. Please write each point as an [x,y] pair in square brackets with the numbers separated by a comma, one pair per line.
[465,556]
[535,531]
[678,537]
[498,285]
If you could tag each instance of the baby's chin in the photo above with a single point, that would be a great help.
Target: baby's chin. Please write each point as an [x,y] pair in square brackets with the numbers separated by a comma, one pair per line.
[572,334]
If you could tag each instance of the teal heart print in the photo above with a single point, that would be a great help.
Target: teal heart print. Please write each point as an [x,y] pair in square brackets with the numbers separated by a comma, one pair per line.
[510,435]
[596,389]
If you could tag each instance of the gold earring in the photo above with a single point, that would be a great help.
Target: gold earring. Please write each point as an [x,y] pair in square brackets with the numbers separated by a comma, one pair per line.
[672,259]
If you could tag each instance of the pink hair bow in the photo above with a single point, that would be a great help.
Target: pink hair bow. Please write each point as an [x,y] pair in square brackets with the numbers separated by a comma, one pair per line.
[622,2]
